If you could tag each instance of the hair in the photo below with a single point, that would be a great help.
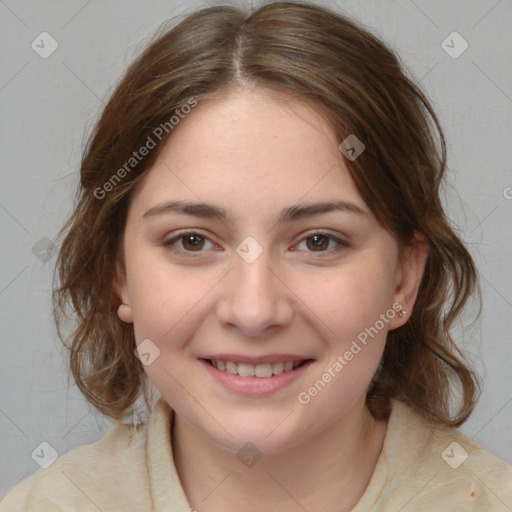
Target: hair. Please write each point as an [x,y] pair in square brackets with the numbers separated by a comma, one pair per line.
[307,53]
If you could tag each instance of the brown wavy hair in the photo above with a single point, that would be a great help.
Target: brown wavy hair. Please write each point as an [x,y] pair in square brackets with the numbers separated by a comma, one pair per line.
[315,55]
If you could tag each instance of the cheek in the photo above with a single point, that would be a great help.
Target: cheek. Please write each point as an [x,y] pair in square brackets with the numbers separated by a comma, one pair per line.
[352,308]
[351,297]
[348,308]
[162,301]
[166,302]
[159,294]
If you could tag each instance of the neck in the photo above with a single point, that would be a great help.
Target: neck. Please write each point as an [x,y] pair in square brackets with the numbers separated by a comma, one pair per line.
[329,471]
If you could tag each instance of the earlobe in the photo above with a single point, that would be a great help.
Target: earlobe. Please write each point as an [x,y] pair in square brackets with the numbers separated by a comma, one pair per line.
[124,312]
[410,275]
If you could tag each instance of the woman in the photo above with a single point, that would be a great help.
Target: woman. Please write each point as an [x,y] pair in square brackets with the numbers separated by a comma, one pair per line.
[259,236]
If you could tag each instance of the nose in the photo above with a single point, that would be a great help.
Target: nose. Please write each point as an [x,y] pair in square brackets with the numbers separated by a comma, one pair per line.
[254,298]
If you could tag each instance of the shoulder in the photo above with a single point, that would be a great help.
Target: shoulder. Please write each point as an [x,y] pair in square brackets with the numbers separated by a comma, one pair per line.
[90,477]
[434,465]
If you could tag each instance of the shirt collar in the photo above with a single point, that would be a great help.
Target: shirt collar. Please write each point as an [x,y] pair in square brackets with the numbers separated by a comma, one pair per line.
[166,489]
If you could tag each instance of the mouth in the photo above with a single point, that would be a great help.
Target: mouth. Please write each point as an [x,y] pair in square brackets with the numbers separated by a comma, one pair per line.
[255,377]
[262,370]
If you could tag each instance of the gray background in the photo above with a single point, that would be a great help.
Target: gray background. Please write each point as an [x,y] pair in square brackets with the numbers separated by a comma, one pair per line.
[47,106]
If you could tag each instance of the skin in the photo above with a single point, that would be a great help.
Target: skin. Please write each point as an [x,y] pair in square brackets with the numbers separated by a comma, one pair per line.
[254,153]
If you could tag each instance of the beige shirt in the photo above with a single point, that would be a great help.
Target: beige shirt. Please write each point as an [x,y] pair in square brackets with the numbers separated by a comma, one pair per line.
[421,468]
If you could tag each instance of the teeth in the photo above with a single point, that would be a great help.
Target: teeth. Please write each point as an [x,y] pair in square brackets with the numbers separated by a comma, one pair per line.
[277,368]
[265,370]
[246,370]
[231,367]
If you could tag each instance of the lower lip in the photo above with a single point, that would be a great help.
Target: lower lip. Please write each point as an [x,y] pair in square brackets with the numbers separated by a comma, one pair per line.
[255,386]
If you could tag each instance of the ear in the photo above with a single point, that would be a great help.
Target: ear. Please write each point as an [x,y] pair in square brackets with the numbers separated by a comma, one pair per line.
[408,279]
[124,312]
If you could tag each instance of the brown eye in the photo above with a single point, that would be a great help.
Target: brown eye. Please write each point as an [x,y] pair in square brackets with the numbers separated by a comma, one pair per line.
[322,243]
[193,242]
[319,242]
[187,243]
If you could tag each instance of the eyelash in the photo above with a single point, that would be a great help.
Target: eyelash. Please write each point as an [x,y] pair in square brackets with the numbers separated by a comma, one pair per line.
[169,243]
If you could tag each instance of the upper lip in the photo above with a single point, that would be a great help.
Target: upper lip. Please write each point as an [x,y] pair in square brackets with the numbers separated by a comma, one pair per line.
[270,358]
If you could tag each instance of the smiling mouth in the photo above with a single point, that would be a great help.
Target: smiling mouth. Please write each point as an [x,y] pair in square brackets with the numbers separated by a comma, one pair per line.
[264,371]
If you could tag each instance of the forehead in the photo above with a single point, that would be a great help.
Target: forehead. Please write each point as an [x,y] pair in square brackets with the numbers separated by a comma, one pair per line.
[250,147]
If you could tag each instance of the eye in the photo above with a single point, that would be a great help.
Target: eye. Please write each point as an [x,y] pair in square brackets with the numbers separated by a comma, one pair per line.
[194,242]
[320,242]
[190,242]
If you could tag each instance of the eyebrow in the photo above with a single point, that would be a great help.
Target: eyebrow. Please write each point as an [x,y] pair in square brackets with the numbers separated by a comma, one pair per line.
[289,214]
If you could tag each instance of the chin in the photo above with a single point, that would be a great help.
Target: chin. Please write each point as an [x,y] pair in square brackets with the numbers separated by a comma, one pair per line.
[250,441]
[268,433]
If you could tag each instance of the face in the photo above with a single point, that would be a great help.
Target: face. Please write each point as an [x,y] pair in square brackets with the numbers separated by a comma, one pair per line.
[250,272]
